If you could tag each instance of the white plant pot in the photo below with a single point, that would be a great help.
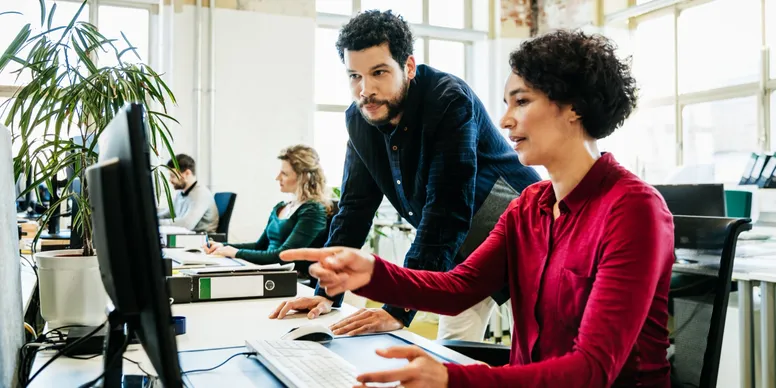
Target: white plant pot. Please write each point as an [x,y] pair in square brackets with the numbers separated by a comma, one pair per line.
[71,289]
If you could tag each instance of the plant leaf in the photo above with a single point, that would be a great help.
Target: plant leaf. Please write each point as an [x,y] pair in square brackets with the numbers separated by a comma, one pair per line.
[51,15]
[15,46]
[42,12]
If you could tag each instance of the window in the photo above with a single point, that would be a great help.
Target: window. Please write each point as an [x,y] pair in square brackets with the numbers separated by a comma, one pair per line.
[331,81]
[410,10]
[418,51]
[722,135]
[441,48]
[770,33]
[340,7]
[653,59]
[331,139]
[448,56]
[10,25]
[134,23]
[446,13]
[772,146]
[651,139]
[711,56]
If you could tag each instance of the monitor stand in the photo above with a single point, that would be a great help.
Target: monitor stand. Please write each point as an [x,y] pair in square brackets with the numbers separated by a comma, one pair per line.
[113,354]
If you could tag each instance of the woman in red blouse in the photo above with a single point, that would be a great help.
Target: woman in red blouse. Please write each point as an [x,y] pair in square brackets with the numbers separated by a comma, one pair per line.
[587,254]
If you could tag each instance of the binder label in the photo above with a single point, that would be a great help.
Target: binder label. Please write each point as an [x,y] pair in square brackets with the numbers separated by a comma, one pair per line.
[231,287]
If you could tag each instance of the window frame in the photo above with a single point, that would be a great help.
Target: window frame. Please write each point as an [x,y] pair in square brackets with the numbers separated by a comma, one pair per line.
[9,91]
[468,36]
[761,89]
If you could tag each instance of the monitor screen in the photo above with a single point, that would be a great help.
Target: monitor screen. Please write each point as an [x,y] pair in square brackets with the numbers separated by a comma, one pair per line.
[126,235]
[695,200]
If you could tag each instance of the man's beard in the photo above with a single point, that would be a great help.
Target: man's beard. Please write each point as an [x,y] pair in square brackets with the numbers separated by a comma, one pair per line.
[395,106]
[178,186]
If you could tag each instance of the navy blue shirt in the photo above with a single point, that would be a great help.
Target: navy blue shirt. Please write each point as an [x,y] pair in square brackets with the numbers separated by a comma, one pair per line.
[436,167]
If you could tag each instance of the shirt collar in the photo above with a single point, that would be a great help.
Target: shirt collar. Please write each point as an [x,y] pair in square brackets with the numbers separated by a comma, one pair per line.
[585,189]
[187,191]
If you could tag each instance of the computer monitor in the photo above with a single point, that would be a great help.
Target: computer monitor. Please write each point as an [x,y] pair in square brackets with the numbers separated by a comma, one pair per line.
[695,200]
[128,248]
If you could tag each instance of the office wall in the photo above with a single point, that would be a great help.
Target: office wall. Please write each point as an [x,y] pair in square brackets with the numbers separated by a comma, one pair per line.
[263,97]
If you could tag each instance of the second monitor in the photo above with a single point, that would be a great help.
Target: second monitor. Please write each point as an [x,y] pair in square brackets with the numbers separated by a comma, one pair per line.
[695,200]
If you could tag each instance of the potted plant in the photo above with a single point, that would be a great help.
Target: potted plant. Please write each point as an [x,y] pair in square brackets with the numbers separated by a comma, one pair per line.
[71,97]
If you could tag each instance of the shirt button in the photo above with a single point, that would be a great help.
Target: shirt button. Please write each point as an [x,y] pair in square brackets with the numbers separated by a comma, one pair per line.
[411,213]
[405,129]
[398,182]
[394,148]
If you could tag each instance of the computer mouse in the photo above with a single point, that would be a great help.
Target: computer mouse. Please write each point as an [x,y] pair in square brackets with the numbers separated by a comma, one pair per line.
[313,332]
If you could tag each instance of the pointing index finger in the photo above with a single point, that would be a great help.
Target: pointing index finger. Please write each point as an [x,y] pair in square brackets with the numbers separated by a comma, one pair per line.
[308,254]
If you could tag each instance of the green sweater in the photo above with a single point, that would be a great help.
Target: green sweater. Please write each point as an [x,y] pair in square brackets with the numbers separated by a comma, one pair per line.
[298,231]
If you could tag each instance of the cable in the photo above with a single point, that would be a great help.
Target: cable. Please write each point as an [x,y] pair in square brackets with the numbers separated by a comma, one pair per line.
[219,365]
[29,328]
[62,351]
[140,366]
[116,357]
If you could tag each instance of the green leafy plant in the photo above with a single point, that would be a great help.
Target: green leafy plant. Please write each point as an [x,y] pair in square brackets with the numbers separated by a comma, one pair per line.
[71,95]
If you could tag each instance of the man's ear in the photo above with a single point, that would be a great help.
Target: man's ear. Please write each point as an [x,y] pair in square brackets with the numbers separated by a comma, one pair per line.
[410,67]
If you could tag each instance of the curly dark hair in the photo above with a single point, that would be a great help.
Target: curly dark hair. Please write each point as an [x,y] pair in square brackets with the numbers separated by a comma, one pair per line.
[373,28]
[582,70]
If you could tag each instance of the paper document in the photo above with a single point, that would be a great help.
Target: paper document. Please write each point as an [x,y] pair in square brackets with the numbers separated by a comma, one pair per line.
[196,258]
[245,268]
[172,229]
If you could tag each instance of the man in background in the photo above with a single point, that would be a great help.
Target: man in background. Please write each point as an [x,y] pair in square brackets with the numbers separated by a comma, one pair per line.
[194,205]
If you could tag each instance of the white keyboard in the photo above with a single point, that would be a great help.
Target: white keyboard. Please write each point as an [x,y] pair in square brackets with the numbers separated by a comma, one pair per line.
[302,364]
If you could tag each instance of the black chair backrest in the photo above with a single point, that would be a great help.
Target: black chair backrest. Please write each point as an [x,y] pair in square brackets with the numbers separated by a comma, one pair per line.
[225,204]
[706,248]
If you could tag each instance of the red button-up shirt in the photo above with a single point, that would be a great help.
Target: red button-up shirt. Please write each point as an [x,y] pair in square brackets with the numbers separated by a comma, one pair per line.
[589,290]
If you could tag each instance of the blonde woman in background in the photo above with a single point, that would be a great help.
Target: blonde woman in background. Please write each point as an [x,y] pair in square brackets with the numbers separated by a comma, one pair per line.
[298,223]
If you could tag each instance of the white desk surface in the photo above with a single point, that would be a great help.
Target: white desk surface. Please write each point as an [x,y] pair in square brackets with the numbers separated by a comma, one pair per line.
[213,325]
[29,283]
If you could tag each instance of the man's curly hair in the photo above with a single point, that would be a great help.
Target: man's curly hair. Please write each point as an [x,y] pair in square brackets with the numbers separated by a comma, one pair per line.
[583,71]
[373,28]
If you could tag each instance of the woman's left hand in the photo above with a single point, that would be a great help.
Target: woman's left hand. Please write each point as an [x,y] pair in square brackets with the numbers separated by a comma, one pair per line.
[422,371]
[226,251]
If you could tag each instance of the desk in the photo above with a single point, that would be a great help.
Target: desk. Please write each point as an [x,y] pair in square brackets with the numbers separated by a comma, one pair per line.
[755,262]
[214,325]
[29,284]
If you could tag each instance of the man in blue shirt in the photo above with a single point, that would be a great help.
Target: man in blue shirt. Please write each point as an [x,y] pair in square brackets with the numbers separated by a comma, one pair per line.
[422,138]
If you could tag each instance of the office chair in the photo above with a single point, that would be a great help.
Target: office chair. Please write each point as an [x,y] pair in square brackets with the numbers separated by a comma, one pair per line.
[303,266]
[700,306]
[738,203]
[225,204]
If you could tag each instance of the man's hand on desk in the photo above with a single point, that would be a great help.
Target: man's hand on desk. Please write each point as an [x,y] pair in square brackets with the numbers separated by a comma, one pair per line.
[366,321]
[337,269]
[315,305]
